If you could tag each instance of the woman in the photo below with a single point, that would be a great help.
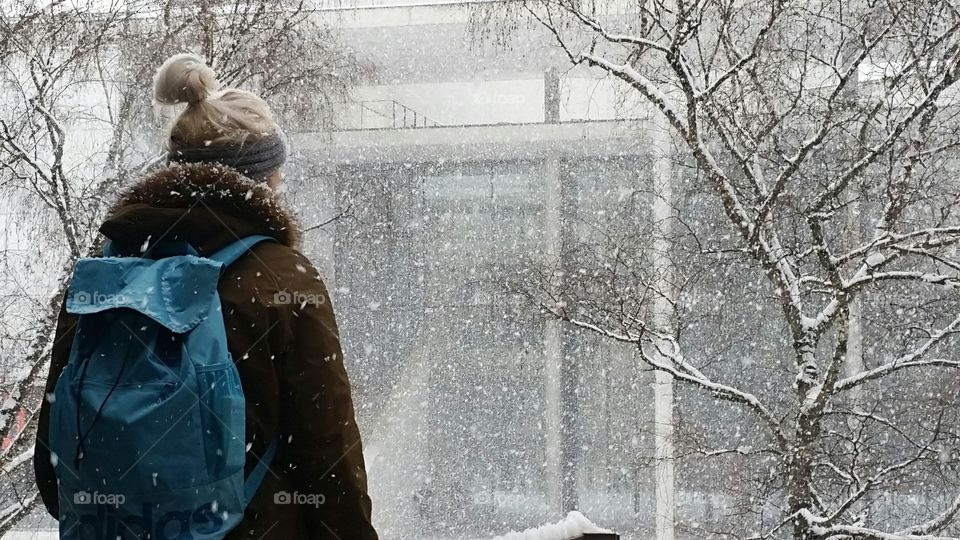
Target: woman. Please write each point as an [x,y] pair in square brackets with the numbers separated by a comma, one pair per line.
[280,324]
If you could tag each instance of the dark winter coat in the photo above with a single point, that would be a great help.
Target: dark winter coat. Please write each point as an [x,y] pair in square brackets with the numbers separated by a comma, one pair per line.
[288,354]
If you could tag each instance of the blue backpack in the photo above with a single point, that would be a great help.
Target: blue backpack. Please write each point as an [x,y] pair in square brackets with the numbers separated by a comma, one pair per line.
[147,418]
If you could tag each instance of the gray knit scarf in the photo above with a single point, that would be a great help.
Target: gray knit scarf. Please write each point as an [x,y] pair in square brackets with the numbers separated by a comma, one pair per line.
[255,159]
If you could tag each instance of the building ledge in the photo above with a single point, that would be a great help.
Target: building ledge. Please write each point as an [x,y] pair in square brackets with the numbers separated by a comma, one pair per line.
[493,142]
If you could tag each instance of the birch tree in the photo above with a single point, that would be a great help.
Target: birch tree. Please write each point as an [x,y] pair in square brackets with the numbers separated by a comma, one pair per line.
[757,96]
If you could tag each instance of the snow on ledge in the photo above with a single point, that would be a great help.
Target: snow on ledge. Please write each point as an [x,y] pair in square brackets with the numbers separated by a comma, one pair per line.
[572,526]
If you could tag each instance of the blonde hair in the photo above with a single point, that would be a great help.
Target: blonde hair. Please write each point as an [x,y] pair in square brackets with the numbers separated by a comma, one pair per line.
[213,116]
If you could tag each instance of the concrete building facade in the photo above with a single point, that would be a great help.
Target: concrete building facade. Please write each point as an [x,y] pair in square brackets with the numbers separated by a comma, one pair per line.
[459,166]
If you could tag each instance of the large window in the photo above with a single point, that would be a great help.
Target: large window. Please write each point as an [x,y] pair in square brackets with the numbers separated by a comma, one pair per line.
[451,361]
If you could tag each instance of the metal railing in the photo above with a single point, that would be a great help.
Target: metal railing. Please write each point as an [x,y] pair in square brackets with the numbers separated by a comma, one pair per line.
[389,113]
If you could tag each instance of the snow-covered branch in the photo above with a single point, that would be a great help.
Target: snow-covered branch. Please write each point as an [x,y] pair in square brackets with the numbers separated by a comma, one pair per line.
[933,237]
[865,533]
[911,360]
[682,370]
[903,275]
[937,523]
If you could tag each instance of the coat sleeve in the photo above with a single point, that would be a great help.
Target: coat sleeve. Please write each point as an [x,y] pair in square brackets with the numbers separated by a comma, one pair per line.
[317,417]
[42,467]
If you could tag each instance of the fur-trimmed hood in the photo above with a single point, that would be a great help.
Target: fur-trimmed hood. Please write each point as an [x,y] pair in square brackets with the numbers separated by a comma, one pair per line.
[208,205]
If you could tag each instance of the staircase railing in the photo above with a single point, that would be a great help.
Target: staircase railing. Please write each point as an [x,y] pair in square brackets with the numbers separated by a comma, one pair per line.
[396,115]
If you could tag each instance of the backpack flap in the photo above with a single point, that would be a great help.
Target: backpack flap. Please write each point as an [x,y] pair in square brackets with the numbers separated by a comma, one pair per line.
[176,292]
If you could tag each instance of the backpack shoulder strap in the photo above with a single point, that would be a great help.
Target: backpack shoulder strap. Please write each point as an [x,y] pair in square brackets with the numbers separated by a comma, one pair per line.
[227,255]
[252,482]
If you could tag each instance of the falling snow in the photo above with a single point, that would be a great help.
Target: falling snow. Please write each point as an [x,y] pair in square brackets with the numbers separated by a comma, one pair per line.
[685,270]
